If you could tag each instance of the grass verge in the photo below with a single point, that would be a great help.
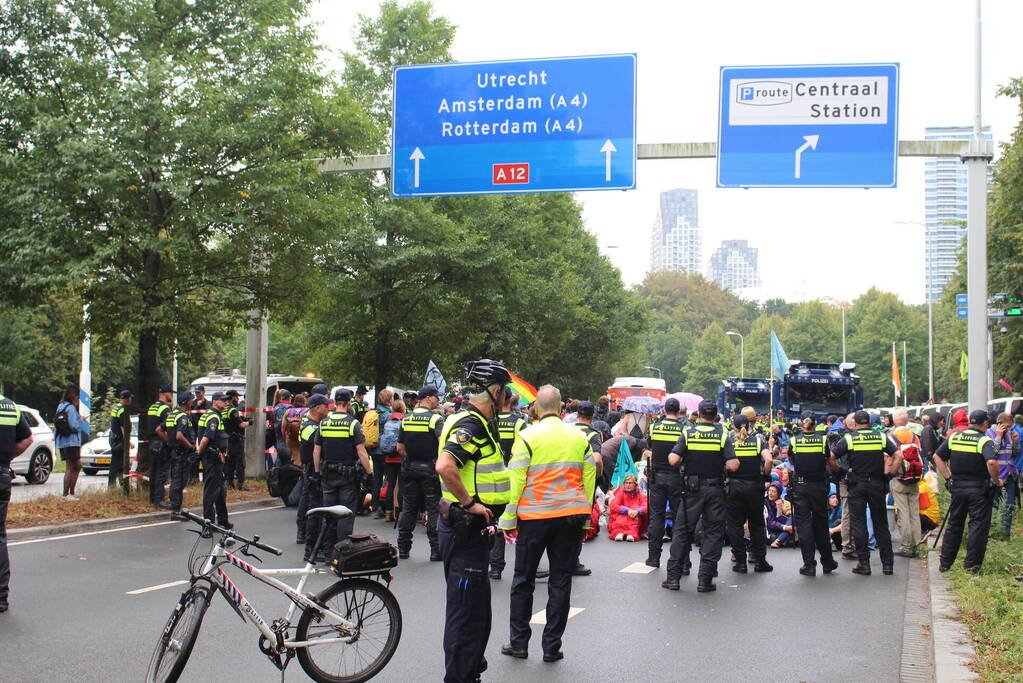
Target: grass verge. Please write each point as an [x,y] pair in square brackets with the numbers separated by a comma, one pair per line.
[106,504]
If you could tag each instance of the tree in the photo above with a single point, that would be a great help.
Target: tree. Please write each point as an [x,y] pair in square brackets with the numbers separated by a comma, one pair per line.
[714,358]
[158,160]
[814,333]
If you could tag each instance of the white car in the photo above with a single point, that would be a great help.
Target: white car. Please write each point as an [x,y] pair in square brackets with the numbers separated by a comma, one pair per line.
[96,453]
[36,463]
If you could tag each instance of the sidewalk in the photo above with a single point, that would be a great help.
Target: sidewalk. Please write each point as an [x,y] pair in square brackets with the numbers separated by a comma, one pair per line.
[953,649]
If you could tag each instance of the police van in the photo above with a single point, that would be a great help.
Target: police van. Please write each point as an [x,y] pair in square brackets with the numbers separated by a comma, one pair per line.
[224,379]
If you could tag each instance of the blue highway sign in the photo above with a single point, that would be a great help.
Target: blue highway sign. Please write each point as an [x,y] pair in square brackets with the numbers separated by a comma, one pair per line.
[541,125]
[832,125]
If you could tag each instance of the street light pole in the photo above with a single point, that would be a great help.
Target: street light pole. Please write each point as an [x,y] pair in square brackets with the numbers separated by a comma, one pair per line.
[742,351]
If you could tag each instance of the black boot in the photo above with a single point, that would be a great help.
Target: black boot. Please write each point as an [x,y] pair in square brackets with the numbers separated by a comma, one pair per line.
[671,583]
[808,570]
[740,567]
[761,566]
[829,566]
[706,585]
[862,568]
[652,561]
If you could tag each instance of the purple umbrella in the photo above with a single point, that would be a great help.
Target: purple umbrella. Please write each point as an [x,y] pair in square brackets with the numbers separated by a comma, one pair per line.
[642,404]
[691,402]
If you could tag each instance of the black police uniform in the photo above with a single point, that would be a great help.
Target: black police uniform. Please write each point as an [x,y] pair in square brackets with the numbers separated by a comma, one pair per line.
[967,454]
[13,428]
[664,483]
[179,422]
[704,449]
[159,452]
[120,424]
[508,426]
[234,465]
[468,612]
[358,409]
[745,503]
[809,487]
[214,490]
[864,451]
[420,433]
[311,496]
[340,470]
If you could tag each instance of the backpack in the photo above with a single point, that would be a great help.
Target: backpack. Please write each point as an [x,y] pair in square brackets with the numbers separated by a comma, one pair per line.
[292,422]
[62,423]
[371,428]
[912,466]
[389,437]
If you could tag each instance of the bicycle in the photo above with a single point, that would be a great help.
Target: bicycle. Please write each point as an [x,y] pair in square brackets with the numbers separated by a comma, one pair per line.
[354,616]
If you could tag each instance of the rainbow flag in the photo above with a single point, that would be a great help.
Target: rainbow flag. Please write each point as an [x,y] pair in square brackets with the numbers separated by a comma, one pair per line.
[525,390]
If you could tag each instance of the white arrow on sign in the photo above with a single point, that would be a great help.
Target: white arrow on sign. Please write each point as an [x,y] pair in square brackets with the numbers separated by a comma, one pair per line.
[811,142]
[417,156]
[607,148]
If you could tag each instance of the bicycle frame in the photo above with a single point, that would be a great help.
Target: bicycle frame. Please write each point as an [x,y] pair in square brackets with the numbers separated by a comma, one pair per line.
[221,579]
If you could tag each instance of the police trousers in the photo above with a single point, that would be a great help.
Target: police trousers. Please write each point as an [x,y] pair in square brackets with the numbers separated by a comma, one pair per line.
[159,466]
[560,538]
[6,477]
[745,505]
[467,615]
[864,493]
[810,510]
[973,499]
[497,548]
[116,464]
[340,487]
[180,469]
[706,505]
[234,466]
[308,499]
[420,486]
[665,492]
[214,490]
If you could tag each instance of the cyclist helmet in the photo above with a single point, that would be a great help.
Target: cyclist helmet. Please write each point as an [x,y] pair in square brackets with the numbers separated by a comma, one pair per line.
[485,372]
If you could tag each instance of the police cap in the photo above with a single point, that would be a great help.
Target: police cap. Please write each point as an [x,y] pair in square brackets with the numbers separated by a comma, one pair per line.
[586,408]
[320,389]
[979,417]
[185,396]
[199,388]
[166,389]
[360,390]
[232,393]
[318,400]
[342,396]
[219,396]
[427,392]
[124,393]
[740,420]
[672,405]
[708,408]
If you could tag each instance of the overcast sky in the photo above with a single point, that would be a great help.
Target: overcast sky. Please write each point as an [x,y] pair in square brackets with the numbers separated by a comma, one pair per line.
[680,47]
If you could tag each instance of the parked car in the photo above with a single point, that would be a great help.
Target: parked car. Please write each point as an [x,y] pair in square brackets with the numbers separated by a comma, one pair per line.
[96,453]
[36,463]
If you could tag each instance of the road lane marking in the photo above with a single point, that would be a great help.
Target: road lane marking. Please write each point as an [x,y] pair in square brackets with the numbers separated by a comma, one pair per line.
[124,528]
[140,591]
[637,568]
[541,616]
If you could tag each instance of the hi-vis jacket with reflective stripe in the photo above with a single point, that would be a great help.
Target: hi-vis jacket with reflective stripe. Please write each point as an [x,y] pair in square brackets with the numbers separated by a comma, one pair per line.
[485,478]
[552,473]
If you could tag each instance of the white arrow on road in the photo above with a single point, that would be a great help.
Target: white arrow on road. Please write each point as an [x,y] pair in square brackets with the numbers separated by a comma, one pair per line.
[811,142]
[607,148]
[417,156]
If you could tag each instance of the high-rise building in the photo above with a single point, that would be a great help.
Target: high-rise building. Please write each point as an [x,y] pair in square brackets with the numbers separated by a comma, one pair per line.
[675,242]
[733,265]
[945,209]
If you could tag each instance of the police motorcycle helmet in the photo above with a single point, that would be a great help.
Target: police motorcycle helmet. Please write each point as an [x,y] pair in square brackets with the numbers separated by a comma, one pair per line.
[484,373]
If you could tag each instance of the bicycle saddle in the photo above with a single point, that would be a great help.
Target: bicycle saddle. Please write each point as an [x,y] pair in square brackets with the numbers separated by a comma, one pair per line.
[336,511]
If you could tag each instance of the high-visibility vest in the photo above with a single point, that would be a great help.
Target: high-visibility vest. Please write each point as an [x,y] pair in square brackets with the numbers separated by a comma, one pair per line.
[336,438]
[966,459]
[10,414]
[157,413]
[508,427]
[751,447]
[865,449]
[552,473]
[486,478]
[200,432]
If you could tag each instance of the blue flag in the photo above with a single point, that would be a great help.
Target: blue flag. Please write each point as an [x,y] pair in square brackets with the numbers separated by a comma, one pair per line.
[779,361]
[435,379]
[624,465]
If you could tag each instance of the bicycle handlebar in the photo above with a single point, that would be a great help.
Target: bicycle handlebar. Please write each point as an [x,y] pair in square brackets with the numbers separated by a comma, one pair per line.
[254,541]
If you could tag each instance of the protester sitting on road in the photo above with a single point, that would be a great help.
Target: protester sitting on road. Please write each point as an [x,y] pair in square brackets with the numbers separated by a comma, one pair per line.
[835,519]
[69,443]
[628,515]
[777,520]
[930,507]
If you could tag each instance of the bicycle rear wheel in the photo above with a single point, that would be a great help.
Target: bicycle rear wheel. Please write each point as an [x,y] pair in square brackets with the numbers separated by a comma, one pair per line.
[374,611]
[178,637]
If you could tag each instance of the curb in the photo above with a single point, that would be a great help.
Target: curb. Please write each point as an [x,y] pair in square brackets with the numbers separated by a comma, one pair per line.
[953,649]
[31,532]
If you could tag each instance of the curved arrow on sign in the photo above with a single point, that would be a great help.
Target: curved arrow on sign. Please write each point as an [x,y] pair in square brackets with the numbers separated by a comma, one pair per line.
[811,142]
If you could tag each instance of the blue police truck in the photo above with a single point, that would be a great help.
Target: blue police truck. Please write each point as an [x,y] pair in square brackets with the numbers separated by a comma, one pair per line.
[735,393]
[824,388]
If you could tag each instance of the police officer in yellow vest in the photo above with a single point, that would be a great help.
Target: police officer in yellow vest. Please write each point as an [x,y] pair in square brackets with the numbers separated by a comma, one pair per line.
[418,442]
[704,452]
[340,458]
[319,408]
[469,438]
[871,458]
[745,502]
[970,460]
[120,437]
[808,492]
[663,481]
[159,447]
[553,478]
[181,437]
[15,437]
[212,450]
[509,424]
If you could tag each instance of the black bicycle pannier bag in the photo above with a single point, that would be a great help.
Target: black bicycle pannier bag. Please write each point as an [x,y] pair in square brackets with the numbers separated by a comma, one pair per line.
[363,554]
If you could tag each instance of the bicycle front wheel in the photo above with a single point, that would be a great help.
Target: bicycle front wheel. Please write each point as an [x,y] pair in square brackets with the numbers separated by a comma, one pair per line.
[376,618]
[178,637]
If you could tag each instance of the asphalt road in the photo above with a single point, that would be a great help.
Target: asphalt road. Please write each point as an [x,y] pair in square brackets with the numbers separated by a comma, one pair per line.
[71,618]
[54,486]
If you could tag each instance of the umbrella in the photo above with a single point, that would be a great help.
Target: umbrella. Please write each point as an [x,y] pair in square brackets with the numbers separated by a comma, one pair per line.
[642,404]
[691,402]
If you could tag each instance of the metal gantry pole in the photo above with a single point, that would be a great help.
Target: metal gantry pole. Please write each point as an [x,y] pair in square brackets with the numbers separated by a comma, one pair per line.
[930,349]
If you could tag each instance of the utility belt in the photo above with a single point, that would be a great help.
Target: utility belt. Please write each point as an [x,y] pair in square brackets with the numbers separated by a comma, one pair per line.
[5,469]
[426,467]
[975,484]
[337,474]
[464,526]
[745,477]
[810,478]
[693,482]
[857,477]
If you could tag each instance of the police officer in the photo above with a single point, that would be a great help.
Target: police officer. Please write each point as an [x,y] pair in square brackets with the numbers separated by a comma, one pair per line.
[211,451]
[968,460]
[745,502]
[467,438]
[663,481]
[871,457]
[200,406]
[704,452]
[234,424]
[509,424]
[340,458]
[809,454]
[312,496]
[181,437]
[160,447]
[120,437]
[15,437]
[418,442]
[358,407]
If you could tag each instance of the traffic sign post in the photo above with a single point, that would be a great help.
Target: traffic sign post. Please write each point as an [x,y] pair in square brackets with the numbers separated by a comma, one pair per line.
[544,125]
[998,306]
[830,125]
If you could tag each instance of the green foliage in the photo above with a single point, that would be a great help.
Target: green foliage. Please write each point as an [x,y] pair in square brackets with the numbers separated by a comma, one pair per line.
[714,357]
